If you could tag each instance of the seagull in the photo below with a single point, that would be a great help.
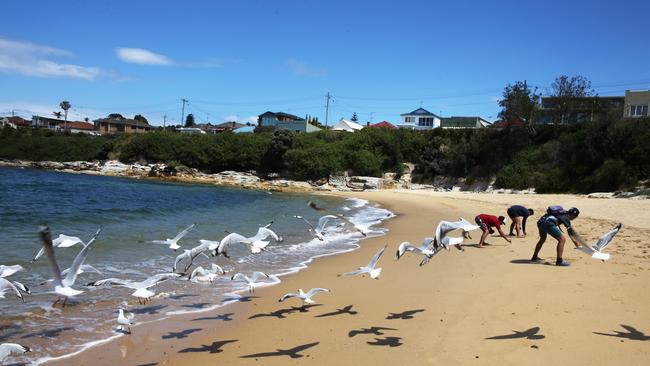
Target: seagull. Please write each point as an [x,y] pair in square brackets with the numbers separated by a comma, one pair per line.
[596,249]
[6,271]
[252,281]
[62,284]
[445,227]
[339,216]
[141,288]
[16,287]
[125,318]
[320,227]
[202,275]
[425,248]
[256,243]
[370,268]
[7,349]
[191,254]
[305,297]
[173,243]
[63,241]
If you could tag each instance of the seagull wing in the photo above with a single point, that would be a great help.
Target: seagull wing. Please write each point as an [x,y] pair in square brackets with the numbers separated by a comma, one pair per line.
[375,258]
[315,290]
[339,216]
[604,240]
[198,271]
[240,277]
[6,271]
[263,233]
[403,248]
[71,276]
[306,221]
[156,279]
[466,225]
[217,269]
[210,244]
[180,257]
[165,242]
[8,348]
[183,233]
[354,273]
[323,221]
[257,275]
[6,285]
[65,241]
[288,296]
[113,282]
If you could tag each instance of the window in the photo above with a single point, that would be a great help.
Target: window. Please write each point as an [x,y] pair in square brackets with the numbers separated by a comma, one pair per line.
[426,121]
[638,110]
[409,119]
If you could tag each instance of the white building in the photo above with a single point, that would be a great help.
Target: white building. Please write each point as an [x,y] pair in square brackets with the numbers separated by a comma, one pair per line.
[345,125]
[420,119]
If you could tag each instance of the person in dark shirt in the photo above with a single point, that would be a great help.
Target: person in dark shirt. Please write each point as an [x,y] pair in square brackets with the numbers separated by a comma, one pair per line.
[519,215]
[486,223]
[550,224]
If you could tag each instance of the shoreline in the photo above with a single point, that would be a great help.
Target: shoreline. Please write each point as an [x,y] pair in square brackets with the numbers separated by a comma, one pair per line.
[452,314]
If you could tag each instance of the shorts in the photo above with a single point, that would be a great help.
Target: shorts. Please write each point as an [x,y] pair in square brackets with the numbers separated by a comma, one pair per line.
[546,228]
[511,213]
[483,225]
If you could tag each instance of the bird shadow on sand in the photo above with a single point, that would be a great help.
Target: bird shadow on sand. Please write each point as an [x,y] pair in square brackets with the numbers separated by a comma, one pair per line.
[404,315]
[182,334]
[239,298]
[215,347]
[531,333]
[148,364]
[9,331]
[225,317]
[150,310]
[291,352]
[386,342]
[372,330]
[50,333]
[632,333]
[198,305]
[17,364]
[181,296]
[282,313]
[345,310]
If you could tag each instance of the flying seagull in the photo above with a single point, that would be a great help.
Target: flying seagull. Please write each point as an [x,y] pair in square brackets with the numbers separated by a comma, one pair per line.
[7,349]
[199,274]
[63,241]
[339,216]
[426,248]
[191,254]
[305,297]
[255,243]
[318,230]
[252,281]
[125,319]
[596,250]
[16,287]
[62,285]
[6,271]
[173,243]
[370,268]
[141,288]
[445,227]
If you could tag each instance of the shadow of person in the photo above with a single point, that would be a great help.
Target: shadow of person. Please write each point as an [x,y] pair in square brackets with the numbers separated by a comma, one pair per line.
[215,347]
[528,334]
[408,314]
[225,317]
[371,330]
[632,333]
[182,334]
[386,341]
[345,310]
[291,352]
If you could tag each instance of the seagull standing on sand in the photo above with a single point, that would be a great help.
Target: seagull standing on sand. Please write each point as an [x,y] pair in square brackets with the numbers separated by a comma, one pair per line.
[142,291]
[173,243]
[7,349]
[252,281]
[63,241]
[320,227]
[62,284]
[445,227]
[595,250]
[305,297]
[125,319]
[255,243]
[199,274]
[370,268]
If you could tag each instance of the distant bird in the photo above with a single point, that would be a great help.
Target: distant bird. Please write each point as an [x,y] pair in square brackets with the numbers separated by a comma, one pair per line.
[62,285]
[199,274]
[6,271]
[426,248]
[596,249]
[255,243]
[339,216]
[252,281]
[141,288]
[190,254]
[445,227]
[16,287]
[305,297]
[63,241]
[173,243]
[7,349]
[125,319]
[370,268]
[319,229]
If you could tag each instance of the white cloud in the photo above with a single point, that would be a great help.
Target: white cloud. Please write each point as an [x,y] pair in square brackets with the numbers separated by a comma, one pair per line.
[142,56]
[300,68]
[30,59]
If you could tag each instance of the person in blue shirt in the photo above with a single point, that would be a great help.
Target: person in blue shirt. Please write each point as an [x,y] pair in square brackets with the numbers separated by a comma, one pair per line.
[550,224]
[519,215]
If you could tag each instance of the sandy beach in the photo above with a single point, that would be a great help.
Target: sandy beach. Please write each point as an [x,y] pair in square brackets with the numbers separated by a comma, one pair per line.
[483,306]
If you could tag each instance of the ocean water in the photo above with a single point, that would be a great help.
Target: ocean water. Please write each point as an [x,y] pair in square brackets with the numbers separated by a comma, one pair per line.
[131,214]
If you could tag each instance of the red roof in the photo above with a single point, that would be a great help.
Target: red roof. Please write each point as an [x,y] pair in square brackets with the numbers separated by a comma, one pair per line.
[19,121]
[81,125]
[384,124]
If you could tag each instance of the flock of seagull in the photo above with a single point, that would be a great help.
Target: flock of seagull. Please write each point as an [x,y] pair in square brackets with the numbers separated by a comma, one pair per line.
[63,281]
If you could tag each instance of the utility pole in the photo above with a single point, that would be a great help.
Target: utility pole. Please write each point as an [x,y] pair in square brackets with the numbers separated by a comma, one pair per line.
[164,121]
[183,110]
[327,108]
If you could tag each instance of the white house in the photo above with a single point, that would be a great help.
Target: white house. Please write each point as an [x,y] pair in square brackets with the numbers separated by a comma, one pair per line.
[190,130]
[420,119]
[345,125]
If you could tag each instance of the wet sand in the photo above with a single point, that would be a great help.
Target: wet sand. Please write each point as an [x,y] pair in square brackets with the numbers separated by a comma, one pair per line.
[481,306]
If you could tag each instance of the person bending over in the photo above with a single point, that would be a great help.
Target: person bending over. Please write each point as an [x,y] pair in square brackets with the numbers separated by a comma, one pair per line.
[519,214]
[550,224]
[486,223]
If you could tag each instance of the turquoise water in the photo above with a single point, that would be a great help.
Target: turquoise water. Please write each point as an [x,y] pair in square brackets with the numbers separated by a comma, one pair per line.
[131,214]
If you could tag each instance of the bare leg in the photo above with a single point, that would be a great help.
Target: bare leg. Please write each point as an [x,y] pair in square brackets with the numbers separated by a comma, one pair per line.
[512,226]
[518,225]
[65,301]
[560,247]
[483,236]
[538,247]
[56,302]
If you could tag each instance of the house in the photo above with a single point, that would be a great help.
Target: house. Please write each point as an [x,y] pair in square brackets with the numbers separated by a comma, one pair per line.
[82,127]
[118,124]
[191,130]
[420,119]
[463,122]
[47,122]
[585,109]
[382,124]
[228,126]
[345,125]
[14,122]
[285,121]
[245,129]
[637,103]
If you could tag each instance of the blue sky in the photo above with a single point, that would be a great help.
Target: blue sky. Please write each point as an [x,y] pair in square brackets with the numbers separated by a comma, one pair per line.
[238,59]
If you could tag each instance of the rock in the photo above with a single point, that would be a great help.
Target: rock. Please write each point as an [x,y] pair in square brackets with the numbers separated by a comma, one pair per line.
[114,167]
[601,195]
[365,182]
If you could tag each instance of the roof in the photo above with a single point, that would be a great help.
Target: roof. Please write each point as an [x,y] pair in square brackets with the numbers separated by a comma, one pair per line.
[383,124]
[419,112]
[345,125]
[463,122]
[81,125]
[122,121]
[282,114]
[231,124]
[18,121]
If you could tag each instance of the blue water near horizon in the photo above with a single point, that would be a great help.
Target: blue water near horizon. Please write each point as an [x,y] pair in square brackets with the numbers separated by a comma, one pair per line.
[131,214]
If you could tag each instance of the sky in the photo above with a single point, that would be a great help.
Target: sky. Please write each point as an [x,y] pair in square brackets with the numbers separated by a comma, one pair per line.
[234,60]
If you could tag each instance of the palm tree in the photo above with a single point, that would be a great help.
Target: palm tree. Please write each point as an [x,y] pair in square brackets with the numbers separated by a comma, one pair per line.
[65,105]
[57,114]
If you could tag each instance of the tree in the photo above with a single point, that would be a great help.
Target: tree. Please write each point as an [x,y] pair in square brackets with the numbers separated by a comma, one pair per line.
[115,116]
[86,119]
[141,118]
[189,120]
[65,105]
[567,91]
[518,103]
[354,118]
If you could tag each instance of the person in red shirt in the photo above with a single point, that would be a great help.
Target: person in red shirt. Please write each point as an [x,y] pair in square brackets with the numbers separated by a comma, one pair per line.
[486,223]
